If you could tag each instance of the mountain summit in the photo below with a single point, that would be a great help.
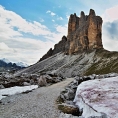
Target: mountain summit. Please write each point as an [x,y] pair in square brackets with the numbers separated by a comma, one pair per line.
[84,33]
[80,52]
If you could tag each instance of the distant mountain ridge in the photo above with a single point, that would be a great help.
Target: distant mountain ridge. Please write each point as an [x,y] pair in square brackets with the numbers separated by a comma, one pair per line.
[6,65]
[22,64]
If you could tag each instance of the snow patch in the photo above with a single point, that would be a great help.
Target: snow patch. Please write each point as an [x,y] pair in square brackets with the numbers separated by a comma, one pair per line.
[15,90]
[21,64]
[98,97]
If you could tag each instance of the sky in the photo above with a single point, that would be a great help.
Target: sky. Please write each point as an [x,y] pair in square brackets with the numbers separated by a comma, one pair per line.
[29,28]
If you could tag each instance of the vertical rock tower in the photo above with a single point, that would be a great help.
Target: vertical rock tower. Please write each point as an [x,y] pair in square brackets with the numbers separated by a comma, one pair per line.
[84,33]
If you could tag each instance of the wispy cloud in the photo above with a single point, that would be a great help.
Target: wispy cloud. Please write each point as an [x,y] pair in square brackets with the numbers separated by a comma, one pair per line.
[60,18]
[51,13]
[111,14]
[67,16]
[4,47]
[54,14]
[41,20]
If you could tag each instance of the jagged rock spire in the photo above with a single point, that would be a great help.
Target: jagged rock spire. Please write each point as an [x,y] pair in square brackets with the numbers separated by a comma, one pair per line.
[92,12]
[84,33]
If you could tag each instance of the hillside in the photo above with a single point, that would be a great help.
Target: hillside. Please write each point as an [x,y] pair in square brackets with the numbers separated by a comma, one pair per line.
[98,61]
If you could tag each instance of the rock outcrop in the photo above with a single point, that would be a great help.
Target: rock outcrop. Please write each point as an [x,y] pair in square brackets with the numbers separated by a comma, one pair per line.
[60,47]
[84,33]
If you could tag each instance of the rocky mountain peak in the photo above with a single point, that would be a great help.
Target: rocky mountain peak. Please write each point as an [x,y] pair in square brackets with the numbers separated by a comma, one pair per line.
[92,12]
[82,15]
[84,33]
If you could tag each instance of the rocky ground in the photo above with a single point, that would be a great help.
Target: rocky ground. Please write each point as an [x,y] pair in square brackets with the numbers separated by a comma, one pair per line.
[9,80]
[37,104]
[96,91]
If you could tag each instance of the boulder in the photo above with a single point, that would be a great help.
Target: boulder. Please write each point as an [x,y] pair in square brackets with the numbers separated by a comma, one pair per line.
[2,87]
[34,76]
[42,81]
[70,94]
[26,84]
[69,109]
[113,74]
[32,82]
[101,76]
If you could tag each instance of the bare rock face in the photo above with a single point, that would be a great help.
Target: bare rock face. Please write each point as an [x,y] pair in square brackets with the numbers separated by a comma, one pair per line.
[60,47]
[84,33]
[48,54]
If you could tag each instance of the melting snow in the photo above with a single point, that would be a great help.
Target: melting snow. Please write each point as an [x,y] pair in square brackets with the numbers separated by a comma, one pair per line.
[98,96]
[15,90]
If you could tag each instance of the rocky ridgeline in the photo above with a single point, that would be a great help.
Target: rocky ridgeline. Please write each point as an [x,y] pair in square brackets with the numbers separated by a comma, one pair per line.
[65,100]
[84,33]
[9,80]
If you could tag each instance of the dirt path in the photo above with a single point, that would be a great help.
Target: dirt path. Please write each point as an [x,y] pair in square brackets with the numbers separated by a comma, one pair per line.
[37,104]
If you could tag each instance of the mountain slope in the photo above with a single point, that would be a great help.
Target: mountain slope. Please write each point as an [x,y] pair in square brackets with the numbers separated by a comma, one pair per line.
[97,61]
[66,65]
[108,62]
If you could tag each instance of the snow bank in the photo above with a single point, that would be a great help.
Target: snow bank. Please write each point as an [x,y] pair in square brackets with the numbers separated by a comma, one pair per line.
[15,90]
[98,97]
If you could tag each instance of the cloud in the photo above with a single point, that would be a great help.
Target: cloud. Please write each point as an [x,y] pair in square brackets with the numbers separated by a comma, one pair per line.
[67,16]
[28,50]
[51,13]
[10,20]
[41,20]
[110,29]
[21,40]
[54,14]
[4,47]
[60,18]
[61,30]
[48,11]
[110,35]
[111,14]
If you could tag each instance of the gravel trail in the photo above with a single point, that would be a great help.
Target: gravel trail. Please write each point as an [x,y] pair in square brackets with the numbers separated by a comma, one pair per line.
[37,104]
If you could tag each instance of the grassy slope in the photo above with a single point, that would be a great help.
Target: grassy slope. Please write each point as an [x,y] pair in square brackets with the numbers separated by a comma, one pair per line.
[108,63]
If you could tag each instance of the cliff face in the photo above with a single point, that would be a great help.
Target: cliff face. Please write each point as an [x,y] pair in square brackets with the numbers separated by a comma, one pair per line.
[84,33]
